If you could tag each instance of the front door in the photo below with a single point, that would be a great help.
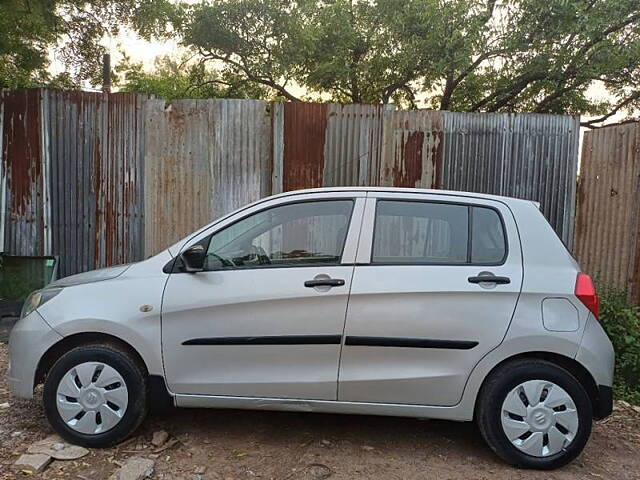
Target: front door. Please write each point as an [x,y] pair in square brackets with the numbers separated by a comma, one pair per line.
[436,285]
[266,317]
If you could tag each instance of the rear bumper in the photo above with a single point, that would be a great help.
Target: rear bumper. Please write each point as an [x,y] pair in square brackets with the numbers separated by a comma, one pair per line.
[604,405]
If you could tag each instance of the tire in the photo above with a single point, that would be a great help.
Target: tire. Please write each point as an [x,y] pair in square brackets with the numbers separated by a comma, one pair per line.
[96,374]
[564,415]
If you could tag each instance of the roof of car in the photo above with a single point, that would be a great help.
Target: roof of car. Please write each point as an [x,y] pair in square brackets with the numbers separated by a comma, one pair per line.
[506,200]
[406,190]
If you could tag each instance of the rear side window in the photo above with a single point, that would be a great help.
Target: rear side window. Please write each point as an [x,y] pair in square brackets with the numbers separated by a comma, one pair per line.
[408,232]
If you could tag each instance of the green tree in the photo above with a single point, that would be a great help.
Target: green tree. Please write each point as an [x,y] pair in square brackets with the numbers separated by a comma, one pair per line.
[464,55]
[171,79]
[30,30]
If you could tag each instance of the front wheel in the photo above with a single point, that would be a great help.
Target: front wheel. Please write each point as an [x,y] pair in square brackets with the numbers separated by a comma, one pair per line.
[95,395]
[534,414]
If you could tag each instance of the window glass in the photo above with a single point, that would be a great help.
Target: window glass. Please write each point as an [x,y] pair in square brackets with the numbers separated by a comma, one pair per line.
[297,234]
[420,232]
[487,242]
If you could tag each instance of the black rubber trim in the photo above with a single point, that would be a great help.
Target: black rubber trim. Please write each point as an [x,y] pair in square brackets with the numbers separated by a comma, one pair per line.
[160,399]
[604,405]
[269,340]
[409,342]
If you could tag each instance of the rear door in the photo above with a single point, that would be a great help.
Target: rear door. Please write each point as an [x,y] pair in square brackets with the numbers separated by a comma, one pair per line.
[434,290]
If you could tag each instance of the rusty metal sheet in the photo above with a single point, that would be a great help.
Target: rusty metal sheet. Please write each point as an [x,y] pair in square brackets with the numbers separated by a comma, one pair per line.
[241,153]
[476,148]
[22,173]
[352,148]
[101,179]
[304,134]
[412,149]
[178,182]
[607,232]
[203,158]
[94,169]
[525,156]
[123,180]
[3,176]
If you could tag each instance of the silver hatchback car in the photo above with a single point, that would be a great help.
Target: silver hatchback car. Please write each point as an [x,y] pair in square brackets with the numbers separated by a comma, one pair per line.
[380,301]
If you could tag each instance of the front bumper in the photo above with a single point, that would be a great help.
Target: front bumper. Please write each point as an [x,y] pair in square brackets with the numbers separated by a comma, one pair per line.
[30,338]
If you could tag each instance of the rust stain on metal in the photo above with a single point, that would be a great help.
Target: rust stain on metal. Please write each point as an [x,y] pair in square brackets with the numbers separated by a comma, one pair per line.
[305,126]
[413,149]
[97,189]
[22,154]
[407,169]
[437,150]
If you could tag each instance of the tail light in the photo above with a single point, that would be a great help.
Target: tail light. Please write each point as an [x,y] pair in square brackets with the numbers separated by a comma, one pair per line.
[586,293]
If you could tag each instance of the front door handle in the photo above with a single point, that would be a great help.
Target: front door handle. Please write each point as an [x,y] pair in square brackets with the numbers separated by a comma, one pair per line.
[489,278]
[324,282]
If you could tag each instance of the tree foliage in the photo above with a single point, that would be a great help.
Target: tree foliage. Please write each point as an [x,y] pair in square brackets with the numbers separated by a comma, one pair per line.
[171,79]
[621,320]
[546,56]
[464,55]
[32,30]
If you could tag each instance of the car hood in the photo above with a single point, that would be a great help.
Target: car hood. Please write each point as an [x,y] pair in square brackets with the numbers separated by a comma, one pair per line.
[91,276]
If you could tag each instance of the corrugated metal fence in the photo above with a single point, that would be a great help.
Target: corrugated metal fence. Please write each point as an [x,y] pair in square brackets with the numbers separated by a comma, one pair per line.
[203,158]
[72,178]
[101,179]
[607,236]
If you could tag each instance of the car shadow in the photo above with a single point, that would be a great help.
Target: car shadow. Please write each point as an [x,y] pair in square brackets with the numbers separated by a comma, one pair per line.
[395,436]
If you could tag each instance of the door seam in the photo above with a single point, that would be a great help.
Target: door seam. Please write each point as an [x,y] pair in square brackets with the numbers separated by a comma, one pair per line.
[346,311]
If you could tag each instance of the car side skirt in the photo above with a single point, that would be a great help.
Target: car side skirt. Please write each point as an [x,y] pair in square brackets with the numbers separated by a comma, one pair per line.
[455,413]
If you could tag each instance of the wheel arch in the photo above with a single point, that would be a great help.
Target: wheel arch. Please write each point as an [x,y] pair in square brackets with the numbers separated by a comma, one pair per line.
[71,341]
[571,365]
[163,400]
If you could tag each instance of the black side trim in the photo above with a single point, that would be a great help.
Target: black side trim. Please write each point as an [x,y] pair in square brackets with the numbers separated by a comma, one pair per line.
[410,342]
[269,340]
[604,406]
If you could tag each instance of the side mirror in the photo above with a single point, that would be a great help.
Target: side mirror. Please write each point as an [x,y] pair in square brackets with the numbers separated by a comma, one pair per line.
[193,259]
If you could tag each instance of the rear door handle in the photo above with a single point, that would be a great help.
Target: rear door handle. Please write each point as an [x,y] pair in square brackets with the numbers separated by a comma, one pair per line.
[489,279]
[324,282]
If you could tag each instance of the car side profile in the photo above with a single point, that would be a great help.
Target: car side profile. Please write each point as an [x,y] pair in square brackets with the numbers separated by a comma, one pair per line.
[381,301]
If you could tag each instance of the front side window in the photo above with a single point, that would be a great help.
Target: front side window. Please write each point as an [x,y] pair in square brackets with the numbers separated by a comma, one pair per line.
[409,232]
[298,234]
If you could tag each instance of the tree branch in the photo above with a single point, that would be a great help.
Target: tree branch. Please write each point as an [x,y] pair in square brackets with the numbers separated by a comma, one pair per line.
[571,70]
[591,123]
[505,95]
[269,82]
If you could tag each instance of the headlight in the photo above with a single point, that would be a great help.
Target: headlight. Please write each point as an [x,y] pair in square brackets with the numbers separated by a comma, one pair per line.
[38,298]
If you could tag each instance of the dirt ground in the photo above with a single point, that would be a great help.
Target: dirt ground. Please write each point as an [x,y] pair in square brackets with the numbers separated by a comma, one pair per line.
[231,444]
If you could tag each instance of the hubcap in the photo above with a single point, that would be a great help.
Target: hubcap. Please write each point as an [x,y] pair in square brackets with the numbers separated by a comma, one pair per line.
[539,418]
[92,398]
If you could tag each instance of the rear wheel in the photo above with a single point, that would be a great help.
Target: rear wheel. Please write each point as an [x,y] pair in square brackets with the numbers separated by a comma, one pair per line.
[95,395]
[534,414]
